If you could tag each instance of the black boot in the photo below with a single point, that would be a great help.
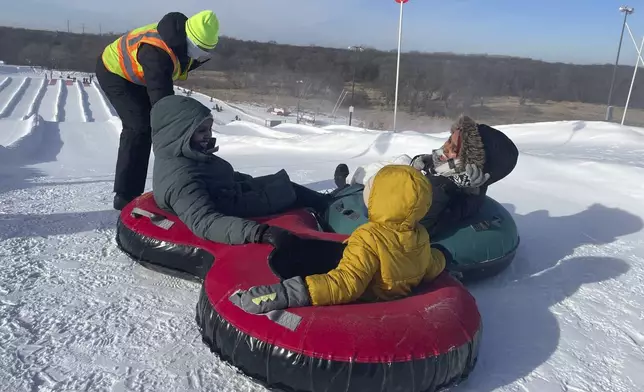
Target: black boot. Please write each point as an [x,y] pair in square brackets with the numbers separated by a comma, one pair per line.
[120,201]
[340,175]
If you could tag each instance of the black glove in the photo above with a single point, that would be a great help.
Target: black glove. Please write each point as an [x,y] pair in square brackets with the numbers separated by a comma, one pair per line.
[290,293]
[277,237]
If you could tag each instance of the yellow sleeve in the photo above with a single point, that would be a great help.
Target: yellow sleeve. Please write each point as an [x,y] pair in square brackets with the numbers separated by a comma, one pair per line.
[349,280]
[436,266]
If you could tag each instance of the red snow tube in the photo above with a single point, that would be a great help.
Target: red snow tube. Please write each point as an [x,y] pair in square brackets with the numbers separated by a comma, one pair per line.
[426,342]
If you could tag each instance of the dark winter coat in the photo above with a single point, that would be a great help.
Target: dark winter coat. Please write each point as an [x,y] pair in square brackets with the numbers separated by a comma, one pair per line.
[203,190]
[157,64]
[451,204]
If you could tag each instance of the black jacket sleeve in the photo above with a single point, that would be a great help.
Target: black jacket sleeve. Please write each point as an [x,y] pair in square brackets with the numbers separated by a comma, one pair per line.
[196,64]
[157,69]
[450,205]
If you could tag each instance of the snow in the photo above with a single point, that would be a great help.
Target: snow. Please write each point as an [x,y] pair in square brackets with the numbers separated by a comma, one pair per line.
[77,314]
[49,104]
[95,104]
[74,111]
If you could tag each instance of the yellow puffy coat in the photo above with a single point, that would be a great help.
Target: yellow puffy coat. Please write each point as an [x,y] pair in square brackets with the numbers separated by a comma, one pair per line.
[391,254]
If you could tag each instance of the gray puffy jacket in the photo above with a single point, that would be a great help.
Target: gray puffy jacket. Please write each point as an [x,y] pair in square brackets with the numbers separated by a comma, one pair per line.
[203,190]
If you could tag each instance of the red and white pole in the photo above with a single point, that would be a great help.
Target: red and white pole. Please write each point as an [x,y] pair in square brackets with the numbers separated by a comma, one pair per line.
[400,23]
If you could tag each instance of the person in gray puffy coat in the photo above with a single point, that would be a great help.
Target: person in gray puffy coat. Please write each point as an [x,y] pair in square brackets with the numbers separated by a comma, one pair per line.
[204,190]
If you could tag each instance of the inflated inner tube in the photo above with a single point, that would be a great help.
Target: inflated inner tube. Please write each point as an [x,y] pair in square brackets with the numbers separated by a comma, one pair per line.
[481,246]
[422,343]
[160,241]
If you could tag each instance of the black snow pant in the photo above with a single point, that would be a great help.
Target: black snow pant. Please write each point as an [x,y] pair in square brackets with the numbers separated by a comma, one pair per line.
[304,197]
[132,104]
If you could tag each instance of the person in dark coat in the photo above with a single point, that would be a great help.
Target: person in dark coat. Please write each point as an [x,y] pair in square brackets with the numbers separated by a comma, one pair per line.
[205,192]
[473,158]
[140,68]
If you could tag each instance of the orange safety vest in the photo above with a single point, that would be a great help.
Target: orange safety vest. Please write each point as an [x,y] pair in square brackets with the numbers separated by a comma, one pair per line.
[120,57]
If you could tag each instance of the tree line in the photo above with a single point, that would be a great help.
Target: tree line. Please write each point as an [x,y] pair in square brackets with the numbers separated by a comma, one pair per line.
[432,83]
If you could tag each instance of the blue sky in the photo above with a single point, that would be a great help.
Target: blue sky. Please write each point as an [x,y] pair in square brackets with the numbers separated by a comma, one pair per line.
[578,31]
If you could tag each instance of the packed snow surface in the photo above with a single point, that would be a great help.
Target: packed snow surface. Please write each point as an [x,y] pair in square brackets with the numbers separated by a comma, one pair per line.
[76,314]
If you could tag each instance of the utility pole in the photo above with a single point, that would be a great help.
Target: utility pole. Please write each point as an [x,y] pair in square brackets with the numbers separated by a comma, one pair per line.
[400,26]
[299,97]
[358,49]
[100,29]
[83,27]
[68,26]
[609,109]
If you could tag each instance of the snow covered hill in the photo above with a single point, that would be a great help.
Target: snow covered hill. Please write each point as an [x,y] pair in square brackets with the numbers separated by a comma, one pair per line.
[77,314]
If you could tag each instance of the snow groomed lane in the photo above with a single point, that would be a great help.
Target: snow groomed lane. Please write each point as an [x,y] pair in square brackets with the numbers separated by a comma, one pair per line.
[49,103]
[74,107]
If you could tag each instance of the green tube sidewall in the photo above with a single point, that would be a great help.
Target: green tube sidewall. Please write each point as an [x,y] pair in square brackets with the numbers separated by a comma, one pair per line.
[488,236]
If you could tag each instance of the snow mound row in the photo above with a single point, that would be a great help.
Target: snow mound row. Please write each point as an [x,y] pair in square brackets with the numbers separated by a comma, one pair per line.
[15,98]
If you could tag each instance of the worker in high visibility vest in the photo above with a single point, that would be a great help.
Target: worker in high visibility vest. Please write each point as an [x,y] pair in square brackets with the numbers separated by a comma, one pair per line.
[140,68]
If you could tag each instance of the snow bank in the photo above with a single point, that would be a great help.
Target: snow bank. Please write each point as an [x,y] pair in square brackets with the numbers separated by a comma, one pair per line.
[300,129]
[244,128]
[14,132]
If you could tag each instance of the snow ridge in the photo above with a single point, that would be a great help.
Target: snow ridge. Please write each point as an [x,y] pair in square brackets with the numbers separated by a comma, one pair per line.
[16,150]
[83,102]
[108,107]
[5,83]
[59,113]
[35,103]
[15,98]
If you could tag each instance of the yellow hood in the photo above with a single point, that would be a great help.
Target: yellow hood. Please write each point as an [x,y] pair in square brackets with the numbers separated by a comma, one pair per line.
[391,254]
[398,196]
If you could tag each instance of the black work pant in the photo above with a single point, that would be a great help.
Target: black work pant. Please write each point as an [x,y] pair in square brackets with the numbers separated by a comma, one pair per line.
[132,104]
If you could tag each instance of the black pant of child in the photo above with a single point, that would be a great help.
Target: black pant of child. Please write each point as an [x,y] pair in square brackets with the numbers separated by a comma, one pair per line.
[132,104]
[304,197]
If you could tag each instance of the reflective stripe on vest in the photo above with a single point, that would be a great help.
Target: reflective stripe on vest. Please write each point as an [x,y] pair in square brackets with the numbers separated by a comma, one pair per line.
[126,49]
[129,46]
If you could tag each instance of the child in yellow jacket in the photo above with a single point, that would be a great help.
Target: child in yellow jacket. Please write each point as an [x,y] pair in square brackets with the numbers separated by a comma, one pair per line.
[384,259]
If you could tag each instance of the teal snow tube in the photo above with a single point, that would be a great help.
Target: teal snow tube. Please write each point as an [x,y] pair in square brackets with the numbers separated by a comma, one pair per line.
[481,246]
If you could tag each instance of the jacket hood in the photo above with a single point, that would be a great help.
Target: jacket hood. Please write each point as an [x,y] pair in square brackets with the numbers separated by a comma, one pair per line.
[501,152]
[174,120]
[399,197]
[172,28]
